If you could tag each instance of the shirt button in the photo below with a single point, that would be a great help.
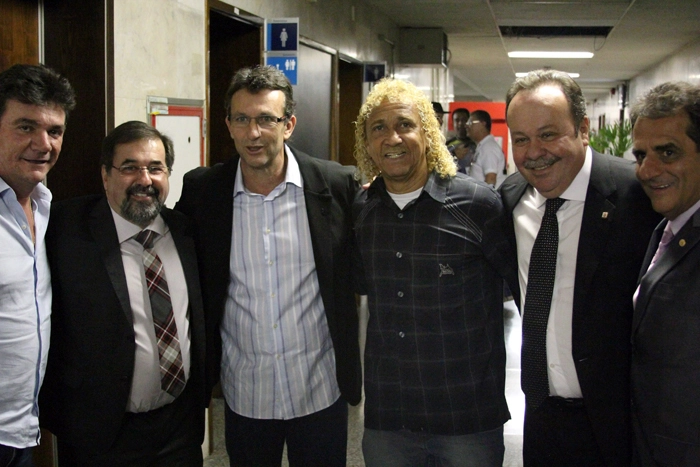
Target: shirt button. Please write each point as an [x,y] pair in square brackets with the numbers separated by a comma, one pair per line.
[398,254]
[400,215]
[400,294]
[270,263]
[551,365]
[24,226]
[272,294]
[267,230]
[401,334]
[274,327]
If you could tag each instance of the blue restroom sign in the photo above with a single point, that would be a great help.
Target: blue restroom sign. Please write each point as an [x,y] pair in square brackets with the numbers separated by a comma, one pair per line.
[287,64]
[282,35]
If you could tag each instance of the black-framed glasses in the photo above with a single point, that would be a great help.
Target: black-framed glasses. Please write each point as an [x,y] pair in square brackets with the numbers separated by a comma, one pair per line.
[263,121]
[130,170]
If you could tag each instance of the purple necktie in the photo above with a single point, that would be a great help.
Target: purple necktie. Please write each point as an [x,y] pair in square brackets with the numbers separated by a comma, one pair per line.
[663,244]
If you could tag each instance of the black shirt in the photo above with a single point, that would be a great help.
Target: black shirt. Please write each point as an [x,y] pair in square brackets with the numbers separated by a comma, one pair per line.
[435,354]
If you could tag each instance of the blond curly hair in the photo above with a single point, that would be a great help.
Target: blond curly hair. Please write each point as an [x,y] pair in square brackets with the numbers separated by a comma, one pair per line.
[391,90]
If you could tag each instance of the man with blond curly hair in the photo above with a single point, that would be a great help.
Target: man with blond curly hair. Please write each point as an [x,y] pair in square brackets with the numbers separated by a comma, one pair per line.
[432,253]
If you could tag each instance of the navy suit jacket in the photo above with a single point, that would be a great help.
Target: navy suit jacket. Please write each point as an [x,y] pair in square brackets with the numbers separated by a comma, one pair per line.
[666,357]
[91,358]
[329,190]
[617,221]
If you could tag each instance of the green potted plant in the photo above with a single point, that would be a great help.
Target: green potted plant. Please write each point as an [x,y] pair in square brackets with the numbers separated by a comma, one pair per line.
[612,139]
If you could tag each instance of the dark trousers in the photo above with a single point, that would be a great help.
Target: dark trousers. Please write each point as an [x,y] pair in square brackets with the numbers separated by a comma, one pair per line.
[15,457]
[319,439]
[558,434]
[170,436]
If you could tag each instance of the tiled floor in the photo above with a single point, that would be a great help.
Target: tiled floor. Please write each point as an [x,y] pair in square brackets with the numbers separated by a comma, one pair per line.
[513,430]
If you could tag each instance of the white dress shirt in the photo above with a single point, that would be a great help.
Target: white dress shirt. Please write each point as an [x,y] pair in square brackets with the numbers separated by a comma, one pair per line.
[527,218]
[488,159]
[278,360]
[25,315]
[146,393]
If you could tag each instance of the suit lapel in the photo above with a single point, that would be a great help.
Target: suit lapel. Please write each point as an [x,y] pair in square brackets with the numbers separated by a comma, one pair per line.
[683,243]
[651,248]
[598,215]
[318,201]
[185,250]
[219,211]
[511,191]
[105,235]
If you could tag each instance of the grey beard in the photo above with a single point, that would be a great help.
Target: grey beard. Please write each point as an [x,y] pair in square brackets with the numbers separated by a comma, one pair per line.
[141,213]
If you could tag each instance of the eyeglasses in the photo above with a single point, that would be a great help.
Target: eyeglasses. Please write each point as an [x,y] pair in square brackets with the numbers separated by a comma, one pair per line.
[471,122]
[131,170]
[263,121]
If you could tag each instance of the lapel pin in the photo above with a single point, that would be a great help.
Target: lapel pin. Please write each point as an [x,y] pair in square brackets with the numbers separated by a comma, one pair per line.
[681,242]
[604,215]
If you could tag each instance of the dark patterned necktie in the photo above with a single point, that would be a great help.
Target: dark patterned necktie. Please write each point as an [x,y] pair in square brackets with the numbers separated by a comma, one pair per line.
[172,374]
[538,301]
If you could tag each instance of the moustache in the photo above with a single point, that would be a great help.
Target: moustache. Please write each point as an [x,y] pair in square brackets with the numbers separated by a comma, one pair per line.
[541,163]
[143,190]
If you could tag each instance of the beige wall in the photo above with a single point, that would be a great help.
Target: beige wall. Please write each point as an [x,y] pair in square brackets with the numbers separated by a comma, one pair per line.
[160,44]
[684,65]
[330,22]
[159,50]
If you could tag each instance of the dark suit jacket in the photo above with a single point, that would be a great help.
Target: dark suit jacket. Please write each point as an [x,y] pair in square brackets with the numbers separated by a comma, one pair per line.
[329,189]
[91,358]
[617,221]
[666,357]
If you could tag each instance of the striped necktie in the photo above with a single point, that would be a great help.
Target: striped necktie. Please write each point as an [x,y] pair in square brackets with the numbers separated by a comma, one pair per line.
[172,374]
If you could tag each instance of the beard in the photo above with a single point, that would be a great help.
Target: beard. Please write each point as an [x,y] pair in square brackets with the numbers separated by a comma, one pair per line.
[139,212]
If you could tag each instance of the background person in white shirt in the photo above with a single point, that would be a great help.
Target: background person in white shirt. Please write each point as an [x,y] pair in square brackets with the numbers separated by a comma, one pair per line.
[488,164]
[34,105]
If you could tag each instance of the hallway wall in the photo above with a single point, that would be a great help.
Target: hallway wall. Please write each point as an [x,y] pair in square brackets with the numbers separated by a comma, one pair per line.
[331,23]
[684,65]
[160,46]
[159,50]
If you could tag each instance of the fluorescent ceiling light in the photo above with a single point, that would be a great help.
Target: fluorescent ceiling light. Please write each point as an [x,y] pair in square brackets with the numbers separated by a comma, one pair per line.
[550,54]
[573,75]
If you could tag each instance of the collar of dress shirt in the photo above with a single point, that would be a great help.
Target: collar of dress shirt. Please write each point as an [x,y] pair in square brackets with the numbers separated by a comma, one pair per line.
[40,192]
[485,140]
[678,223]
[126,230]
[292,176]
[579,186]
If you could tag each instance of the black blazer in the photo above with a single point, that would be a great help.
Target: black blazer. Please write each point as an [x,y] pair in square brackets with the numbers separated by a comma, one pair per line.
[666,358]
[329,190]
[91,358]
[617,221]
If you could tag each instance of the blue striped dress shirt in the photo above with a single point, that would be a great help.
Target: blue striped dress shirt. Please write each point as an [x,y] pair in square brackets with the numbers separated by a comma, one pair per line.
[25,315]
[278,360]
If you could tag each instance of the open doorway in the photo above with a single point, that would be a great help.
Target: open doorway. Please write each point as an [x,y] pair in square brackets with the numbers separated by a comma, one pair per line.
[235,42]
[349,102]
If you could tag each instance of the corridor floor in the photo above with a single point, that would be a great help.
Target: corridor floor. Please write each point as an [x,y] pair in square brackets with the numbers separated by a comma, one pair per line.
[513,430]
